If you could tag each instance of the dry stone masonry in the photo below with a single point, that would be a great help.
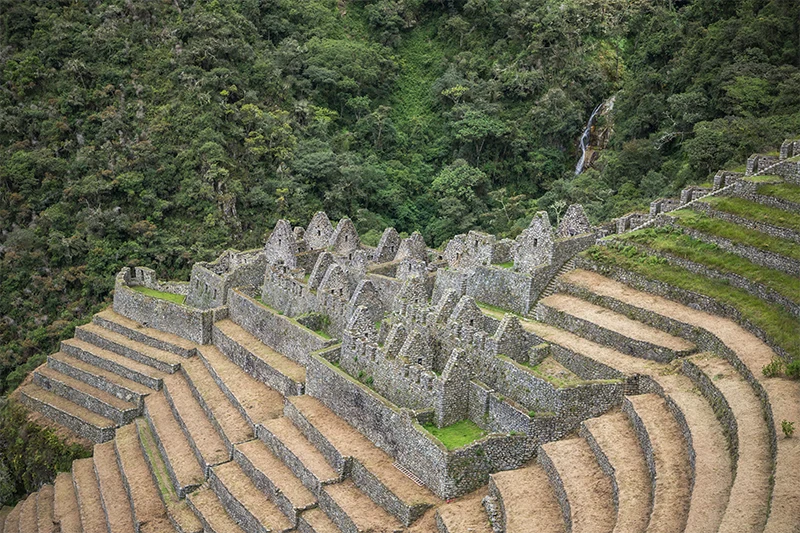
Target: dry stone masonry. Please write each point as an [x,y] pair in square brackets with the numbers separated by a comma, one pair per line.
[302,386]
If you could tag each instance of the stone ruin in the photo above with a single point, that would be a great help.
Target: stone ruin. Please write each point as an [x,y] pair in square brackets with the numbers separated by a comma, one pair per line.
[301,387]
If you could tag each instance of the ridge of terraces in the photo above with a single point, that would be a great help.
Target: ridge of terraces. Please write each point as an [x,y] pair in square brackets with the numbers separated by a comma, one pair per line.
[292,390]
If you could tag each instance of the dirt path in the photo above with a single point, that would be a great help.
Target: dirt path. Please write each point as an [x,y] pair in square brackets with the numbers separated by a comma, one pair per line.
[749,500]
[466,514]
[529,501]
[784,395]
[672,494]
[616,322]
[588,488]
[614,434]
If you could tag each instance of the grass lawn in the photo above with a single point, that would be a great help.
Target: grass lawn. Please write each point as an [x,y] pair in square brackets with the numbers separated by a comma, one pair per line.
[673,242]
[728,230]
[755,211]
[763,179]
[456,435]
[777,323]
[170,297]
[785,191]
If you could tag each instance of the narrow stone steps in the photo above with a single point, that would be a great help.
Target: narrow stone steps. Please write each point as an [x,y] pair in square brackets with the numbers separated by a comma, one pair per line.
[211,512]
[65,504]
[749,496]
[465,515]
[659,432]
[353,511]
[184,469]
[206,442]
[224,414]
[45,519]
[11,523]
[93,519]
[91,398]
[411,500]
[162,340]
[149,512]
[115,500]
[289,444]
[27,515]
[618,443]
[608,327]
[713,467]
[258,359]
[82,421]
[112,362]
[118,343]
[316,521]
[274,478]
[256,400]
[587,488]
[123,388]
[528,501]
[243,500]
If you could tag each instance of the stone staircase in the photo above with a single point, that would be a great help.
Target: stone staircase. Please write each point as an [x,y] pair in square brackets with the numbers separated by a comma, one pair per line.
[192,438]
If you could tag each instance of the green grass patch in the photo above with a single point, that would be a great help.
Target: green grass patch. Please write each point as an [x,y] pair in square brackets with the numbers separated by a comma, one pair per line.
[777,323]
[154,456]
[734,232]
[671,241]
[421,56]
[456,435]
[169,296]
[784,191]
[763,179]
[507,264]
[322,333]
[755,211]
[493,310]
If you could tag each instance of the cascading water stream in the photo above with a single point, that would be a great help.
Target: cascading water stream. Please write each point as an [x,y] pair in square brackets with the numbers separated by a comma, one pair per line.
[587,133]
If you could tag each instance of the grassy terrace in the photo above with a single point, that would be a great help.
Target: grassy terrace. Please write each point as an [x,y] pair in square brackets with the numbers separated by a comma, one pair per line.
[456,435]
[755,211]
[784,191]
[763,179]
[727,230]
[169,296]
[777,323]
[671,241]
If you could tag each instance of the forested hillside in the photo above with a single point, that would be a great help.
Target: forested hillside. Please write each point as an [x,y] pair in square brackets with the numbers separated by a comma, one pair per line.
[158,133]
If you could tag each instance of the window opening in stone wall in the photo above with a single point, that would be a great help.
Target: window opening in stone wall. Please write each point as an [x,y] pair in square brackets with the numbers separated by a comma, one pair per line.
[536,242]
[471,322]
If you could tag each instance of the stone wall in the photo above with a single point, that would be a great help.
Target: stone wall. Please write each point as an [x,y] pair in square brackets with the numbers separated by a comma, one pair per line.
[187,322]
[756,289]
[283,334]
[773,231]
[758,256]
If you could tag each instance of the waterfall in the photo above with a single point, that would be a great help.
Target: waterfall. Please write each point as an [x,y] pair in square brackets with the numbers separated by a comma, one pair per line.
[584,141]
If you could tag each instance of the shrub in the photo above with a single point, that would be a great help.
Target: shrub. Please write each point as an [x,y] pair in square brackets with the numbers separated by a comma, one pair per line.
[788,428]
[773,369]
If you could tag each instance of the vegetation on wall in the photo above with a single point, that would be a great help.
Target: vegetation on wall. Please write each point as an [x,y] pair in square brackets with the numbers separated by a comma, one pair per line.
[31,454]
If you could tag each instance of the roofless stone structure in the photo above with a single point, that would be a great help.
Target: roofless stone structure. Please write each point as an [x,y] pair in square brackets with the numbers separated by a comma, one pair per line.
[318,384]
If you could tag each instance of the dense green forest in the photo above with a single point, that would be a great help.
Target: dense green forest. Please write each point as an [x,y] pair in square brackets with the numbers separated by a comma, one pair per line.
[158,133]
